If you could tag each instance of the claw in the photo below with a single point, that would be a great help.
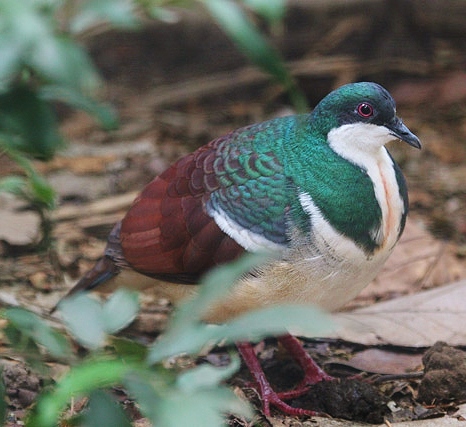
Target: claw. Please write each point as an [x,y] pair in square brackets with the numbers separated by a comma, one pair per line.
[312,374]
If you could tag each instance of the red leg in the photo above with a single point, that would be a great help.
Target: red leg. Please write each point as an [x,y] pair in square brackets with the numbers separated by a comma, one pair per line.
[267,394]
[313,373]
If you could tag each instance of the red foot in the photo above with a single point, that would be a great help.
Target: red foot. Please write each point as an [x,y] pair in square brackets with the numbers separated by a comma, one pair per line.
[312,374]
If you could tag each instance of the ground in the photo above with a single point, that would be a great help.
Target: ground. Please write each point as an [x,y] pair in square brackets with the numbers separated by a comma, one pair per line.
[177,87]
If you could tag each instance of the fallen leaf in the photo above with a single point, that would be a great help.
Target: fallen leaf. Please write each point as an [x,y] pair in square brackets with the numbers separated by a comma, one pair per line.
[40,280]
[461,412]
[417,320]
[83,187]
[380,361]
[418,262]
[18,227]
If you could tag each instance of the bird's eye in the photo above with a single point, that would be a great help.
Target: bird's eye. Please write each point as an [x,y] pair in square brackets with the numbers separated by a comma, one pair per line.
[365,110]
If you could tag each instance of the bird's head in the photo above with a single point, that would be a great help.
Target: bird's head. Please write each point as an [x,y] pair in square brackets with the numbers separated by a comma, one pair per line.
[361,116]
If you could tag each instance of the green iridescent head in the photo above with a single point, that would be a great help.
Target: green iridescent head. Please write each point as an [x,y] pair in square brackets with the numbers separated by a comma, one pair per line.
[363,102]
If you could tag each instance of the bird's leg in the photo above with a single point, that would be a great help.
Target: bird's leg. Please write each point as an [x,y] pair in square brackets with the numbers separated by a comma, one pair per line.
[267,394]
[313,373]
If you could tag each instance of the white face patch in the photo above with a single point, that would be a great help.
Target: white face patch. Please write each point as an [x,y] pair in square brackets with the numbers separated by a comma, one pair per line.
[363,145]
[357,138]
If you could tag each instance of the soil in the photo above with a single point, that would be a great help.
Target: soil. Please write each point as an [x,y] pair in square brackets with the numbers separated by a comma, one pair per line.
[364,396]
[177,87]
[445,374]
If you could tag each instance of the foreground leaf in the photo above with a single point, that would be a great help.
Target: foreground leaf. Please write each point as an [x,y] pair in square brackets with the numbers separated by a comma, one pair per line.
[272,10]
[105,114]
[250,41]
[104,411]
[187,333]
[205,376]
[13,185]
[196,398]
[29,325]
[3,405]
[120,13]
[203,408]
[28,123]
[81,380]
[120,310]
[61,60]
[83,316]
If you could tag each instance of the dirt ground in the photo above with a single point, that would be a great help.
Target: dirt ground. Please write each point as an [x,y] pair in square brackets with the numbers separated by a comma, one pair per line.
[178,86]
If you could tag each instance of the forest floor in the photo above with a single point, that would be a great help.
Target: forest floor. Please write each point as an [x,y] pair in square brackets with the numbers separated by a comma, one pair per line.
[169,106]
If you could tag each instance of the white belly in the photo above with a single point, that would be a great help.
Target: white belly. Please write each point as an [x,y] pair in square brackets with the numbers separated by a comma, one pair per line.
[308,277]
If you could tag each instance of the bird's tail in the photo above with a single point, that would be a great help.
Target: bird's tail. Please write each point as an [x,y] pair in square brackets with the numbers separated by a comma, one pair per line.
[105,269]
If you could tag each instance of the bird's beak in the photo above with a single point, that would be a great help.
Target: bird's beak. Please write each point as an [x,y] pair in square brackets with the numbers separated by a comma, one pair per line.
[399,130]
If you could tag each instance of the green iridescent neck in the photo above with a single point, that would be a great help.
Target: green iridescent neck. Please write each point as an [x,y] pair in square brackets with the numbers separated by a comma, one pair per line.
[342,191]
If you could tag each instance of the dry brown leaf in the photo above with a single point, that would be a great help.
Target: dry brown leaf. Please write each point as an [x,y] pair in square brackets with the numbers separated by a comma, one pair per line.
[418,262]
[78,165]
[381,361]
[18,227]
[413,321]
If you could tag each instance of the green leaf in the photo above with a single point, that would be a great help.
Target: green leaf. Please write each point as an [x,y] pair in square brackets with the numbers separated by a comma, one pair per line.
[163,14]
[22,26]
[104,113]
[13,184]
[28,124]
[120,310]
[217,283]
[41,190]
[195,399]
[186,332]
[82,379]
[35,188]
[205,376]
[234,22]
[90,322]
[205,407]
[32,326]
[144,391]
[84,318]
[253,326]
[275,320]
[3,405]
[62,61]
[129,349]
[120,13]
[11,61]
[272,10]
[103,411]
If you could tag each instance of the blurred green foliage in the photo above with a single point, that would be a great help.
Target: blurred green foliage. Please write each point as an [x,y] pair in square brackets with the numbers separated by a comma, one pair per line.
[42,62]
[167,396]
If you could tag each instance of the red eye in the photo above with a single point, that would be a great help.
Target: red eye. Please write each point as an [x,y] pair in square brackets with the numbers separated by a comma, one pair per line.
[365,110]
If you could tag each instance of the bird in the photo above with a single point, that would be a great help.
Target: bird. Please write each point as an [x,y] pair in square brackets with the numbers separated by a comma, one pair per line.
[319,190]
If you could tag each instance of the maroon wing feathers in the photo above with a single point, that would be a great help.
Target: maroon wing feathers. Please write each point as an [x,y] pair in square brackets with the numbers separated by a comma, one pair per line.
[167,233]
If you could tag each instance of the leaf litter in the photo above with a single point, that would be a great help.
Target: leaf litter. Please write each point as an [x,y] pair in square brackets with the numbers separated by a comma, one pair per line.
[416,304]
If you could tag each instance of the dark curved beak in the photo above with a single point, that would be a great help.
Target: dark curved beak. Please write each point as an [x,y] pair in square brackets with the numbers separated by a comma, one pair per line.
[399,130]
